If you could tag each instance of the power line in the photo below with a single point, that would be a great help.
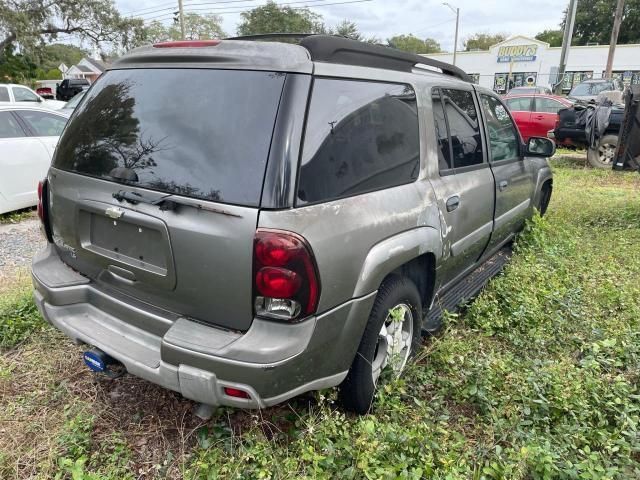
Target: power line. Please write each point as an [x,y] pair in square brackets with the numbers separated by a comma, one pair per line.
[174,6]
[167,16]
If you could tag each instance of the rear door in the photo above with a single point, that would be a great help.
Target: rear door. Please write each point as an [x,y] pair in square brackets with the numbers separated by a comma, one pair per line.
[464,185]
[135,143]
[24,161]
[46,127]
[545,115]
[514,180]
[521,110]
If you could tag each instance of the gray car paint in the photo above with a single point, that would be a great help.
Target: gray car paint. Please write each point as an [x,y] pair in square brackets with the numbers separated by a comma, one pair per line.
[191,329]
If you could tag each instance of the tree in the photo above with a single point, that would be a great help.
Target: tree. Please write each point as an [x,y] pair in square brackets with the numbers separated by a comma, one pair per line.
[32,23]
[413,44]
[51,56]
[196,27]
[272,18]
[483,41]
[552,37]
[349,29]
[16,68]
[594,22]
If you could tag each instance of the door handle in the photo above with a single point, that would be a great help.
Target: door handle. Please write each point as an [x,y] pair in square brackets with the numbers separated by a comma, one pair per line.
[503,185]
[539,117]
[453,203]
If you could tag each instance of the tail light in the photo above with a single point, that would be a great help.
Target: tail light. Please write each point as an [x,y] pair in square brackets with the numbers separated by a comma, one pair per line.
[43,207]
[286,285]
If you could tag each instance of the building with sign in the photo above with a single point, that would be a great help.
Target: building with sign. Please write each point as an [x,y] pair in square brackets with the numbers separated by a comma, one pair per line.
[521,61]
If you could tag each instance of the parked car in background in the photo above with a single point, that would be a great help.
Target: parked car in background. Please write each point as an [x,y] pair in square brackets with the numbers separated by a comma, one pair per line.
[71,105]
[12,94]
[47,88]
[588,90]
[529,91]
[70,87]
[302,239]
[28,137]
[536,115]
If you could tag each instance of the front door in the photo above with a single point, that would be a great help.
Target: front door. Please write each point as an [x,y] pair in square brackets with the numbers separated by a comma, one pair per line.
[464,185]
[513,179]
[521,110]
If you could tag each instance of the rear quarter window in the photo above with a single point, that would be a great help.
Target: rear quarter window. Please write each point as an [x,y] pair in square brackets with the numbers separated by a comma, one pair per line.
[360,136]
[210,141]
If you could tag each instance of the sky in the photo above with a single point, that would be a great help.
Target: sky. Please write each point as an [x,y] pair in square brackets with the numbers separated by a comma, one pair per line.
[385,18]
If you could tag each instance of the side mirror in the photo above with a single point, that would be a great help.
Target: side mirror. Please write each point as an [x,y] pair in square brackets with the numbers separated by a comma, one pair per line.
[540,147]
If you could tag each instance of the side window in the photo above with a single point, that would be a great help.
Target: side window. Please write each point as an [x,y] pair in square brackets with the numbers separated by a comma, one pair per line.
[43,124]
[464,130]
[4,94]
[24,95]
[9,127]
[504,140]
[360,136]
[442,132]
[547,105]
[520,104]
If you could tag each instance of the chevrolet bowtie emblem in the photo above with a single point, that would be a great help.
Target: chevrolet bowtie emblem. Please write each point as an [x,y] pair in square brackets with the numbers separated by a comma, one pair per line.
[114,212]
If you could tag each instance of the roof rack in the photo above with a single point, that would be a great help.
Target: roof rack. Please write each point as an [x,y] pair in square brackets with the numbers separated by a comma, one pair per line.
[335,49]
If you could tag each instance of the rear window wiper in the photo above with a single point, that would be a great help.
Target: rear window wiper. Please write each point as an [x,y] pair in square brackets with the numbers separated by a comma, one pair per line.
[167,202]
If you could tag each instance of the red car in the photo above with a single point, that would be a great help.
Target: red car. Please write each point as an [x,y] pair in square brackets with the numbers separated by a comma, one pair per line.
[45,92]
[535,115]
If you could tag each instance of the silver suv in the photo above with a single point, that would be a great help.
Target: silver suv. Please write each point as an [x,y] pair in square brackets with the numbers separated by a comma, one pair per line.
[291,222]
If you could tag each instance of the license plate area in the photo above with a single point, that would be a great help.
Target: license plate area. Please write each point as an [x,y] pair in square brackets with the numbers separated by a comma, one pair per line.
[136,245]
[135,242]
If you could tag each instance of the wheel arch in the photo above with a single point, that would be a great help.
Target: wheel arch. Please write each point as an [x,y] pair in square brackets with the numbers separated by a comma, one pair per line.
[413,254]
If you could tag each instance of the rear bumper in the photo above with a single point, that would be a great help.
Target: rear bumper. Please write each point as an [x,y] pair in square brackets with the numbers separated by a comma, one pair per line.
[271,361]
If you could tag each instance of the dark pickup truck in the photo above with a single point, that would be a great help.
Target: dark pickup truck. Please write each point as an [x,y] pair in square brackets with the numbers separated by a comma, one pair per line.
[572,130]
[70,87]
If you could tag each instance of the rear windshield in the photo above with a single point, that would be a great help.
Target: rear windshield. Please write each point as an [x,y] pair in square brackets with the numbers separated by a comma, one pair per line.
[209,140]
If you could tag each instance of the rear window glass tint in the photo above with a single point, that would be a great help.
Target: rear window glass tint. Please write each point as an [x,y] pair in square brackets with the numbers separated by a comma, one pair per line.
[519,104]
[462,119]
[9,127]
[43,124]
[442,132]
[210,141]
[360,136]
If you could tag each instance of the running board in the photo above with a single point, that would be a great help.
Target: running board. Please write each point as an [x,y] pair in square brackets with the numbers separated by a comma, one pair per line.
[467,289]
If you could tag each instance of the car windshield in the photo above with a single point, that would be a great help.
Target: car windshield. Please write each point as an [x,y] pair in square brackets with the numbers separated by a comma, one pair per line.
[71,104]
[133,128]
[591,88]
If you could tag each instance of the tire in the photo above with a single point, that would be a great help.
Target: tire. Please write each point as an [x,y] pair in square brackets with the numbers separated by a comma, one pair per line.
[602,157]
[401,295]
[545,198]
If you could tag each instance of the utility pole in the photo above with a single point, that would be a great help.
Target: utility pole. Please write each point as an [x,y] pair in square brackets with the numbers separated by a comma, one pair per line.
[455,10]
[614,36]
[566,44]
[181,10]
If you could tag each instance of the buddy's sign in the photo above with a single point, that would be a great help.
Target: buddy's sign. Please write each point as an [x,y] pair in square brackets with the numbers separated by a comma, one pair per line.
[517,53]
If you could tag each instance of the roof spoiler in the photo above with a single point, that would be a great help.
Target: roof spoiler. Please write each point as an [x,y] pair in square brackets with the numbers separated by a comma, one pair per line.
[335,49]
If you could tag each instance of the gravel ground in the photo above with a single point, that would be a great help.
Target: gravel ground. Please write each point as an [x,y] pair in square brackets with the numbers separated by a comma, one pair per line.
[19,242]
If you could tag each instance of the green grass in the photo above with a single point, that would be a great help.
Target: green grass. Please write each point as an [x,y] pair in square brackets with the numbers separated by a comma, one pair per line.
[17,216]
[538,379]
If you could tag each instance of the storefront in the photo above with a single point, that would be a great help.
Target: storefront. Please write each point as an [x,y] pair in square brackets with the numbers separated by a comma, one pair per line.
[521,61]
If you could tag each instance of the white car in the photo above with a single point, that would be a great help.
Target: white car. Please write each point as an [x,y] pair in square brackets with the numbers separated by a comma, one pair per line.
[12,94]
[28,137]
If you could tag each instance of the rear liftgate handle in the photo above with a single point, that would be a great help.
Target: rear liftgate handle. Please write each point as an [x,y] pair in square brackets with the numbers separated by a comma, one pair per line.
[453,203]
[503,185]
